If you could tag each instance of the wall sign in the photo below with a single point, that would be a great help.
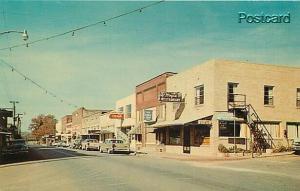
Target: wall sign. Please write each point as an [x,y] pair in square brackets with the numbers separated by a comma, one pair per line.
[116,116]
[148,115]
[170,97]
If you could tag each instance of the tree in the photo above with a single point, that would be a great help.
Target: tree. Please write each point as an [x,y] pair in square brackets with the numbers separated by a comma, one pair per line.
[42,125]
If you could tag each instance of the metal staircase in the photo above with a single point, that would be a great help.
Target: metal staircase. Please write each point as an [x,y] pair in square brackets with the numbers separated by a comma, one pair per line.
[262,138]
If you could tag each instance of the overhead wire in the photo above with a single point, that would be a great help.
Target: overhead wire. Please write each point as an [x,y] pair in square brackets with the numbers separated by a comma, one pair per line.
[72,31]
[25,77]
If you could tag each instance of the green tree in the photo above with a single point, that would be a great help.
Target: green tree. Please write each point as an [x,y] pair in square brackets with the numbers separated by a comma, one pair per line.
[42,125]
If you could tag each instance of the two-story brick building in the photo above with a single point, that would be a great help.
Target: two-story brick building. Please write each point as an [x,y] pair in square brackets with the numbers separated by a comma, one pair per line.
[148,109]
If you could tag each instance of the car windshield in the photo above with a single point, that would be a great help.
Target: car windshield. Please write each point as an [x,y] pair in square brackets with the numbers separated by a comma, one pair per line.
[116,141]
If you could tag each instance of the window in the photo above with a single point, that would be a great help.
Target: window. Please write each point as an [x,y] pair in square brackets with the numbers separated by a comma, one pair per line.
[199,99]
[293,130]
[121,109]
[272,128]
[200,132]
[298,97]
[231,91]
[226,129]
[268,95]
[174,136]
[128,111]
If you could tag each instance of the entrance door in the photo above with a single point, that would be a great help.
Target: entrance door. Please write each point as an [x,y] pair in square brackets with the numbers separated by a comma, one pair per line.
[186,140]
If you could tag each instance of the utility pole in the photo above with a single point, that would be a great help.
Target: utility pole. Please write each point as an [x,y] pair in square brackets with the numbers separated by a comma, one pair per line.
[14,111]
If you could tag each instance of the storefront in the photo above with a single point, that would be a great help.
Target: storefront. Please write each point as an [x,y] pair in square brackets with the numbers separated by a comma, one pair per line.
[183,137]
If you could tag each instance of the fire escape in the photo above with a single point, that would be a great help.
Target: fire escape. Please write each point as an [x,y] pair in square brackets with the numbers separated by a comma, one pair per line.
[260,136]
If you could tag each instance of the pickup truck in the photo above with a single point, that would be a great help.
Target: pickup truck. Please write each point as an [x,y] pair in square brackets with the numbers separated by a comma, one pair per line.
[90,144]
[114,145]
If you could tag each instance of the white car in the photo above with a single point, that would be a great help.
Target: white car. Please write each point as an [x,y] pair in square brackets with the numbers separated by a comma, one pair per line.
[90,144]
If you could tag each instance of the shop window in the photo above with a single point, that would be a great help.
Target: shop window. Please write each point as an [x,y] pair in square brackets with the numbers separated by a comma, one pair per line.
[293,130]
[200,132]
[174,136]
[199,99]
[128,111]
[298,97]
[226,129]
[268,95]
[272,128]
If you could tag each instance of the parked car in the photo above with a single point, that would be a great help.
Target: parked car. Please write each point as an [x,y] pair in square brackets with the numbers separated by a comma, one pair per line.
[16,146]
[296,145]
[90,144]
[114,145]
[76,144]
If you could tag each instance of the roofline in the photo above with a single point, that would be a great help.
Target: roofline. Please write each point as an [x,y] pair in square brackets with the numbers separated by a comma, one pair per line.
[173,73]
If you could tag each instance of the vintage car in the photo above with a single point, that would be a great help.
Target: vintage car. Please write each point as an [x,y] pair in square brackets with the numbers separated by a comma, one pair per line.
[16,146]
[90,144]
[114,146]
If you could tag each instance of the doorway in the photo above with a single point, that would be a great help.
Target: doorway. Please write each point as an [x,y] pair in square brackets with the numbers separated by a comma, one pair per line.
[186,140]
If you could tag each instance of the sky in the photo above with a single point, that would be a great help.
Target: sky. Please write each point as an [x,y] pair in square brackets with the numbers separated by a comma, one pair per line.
[104,63]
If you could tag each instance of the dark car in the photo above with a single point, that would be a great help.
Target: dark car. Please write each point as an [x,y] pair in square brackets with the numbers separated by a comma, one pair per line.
[16,146]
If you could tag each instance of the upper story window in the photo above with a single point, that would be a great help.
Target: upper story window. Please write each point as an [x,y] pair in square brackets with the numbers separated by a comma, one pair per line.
[199,99]
[231,90]
[128,111]
[121,109]
[298,97]
[268,95]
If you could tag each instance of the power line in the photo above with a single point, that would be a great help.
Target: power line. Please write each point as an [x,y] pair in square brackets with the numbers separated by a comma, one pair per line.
[13,69]
[72,31]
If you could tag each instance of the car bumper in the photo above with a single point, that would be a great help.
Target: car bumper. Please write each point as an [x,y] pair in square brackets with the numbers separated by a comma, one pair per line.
[296,148]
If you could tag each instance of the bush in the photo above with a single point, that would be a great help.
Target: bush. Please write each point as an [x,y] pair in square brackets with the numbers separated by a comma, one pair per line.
[237,150]
[222,149]
[280,149]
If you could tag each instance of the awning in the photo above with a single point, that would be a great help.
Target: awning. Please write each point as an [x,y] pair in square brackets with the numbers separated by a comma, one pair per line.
[226,116]
[177,122]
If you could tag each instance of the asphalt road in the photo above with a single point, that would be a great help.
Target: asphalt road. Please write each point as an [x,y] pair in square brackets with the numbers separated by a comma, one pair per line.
[59,169]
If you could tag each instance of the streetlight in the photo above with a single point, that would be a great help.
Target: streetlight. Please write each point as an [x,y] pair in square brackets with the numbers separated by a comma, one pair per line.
[24,33]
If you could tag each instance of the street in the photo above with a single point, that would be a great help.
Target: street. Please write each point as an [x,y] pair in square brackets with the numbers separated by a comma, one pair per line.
[63,169]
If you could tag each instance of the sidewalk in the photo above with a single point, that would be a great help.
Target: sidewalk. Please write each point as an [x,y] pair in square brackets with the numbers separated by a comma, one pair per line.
[212,158]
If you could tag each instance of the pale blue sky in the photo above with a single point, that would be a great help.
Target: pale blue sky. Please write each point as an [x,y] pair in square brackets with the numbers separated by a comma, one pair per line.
[104,63]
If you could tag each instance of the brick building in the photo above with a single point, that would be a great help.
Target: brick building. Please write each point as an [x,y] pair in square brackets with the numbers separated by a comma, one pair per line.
[148,108]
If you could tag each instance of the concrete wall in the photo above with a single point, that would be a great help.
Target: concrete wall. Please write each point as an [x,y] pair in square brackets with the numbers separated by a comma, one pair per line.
[185,82]
[128,121]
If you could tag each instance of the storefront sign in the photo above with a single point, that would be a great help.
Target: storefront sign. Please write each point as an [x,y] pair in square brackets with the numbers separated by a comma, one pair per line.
[204,122]
[148,115]
[170,97]
[116,116]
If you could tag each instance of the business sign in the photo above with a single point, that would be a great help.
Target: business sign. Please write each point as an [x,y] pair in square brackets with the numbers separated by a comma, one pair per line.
[170,97]
[204,122]
[116,116]
[148,115]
